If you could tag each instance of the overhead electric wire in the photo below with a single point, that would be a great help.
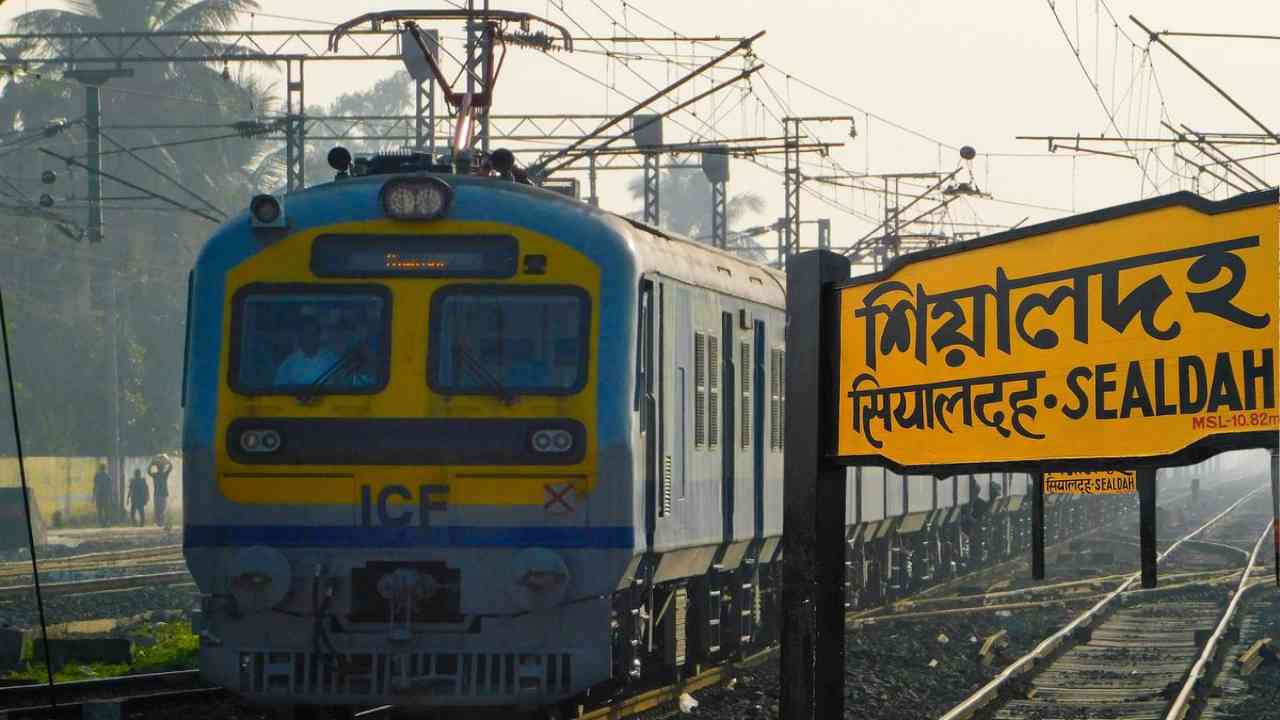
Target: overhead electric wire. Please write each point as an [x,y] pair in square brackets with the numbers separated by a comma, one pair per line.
[177,183]
[814,88]
[1093,85]
[134,186]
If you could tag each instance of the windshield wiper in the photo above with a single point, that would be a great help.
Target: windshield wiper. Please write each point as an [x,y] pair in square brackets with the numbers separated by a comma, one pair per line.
[350,361]
[462,351]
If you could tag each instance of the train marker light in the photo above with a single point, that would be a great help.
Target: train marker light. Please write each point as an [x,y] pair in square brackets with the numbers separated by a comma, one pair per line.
[552,441]
[266,211]
[416,198]
[259,441]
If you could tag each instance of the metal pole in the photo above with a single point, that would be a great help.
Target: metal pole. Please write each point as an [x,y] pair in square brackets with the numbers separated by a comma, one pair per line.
[295,153]
[109,321]
[26,503]
[814,497]
[719,224]
[1275,507]
[593,198]
[1147,525]
[857,496]
[791,181]
[652,214]
[424,111]
[486,70]
[93,123]
[884,493]
[1037,526]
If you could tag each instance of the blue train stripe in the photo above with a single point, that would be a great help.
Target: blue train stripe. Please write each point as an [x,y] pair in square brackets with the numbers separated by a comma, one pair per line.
[472,536]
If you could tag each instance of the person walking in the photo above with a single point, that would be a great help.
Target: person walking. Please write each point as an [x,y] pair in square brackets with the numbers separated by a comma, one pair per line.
[159,470]
[102,495]
[138,497]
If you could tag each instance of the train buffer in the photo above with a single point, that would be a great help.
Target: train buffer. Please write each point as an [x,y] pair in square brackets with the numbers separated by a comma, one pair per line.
[1265,650]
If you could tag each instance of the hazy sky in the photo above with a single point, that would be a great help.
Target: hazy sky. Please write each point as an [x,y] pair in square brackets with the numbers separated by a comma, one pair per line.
[956,73]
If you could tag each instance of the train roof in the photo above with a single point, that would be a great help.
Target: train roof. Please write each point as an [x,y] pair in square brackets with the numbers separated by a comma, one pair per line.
[656,250]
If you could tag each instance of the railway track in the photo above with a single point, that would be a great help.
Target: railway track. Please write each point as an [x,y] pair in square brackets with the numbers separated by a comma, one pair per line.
[662,702]
[1133,655]
[97,562]
[132,692]
[107,571]
[97,585]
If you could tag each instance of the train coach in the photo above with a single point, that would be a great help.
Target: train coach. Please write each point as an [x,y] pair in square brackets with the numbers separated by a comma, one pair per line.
[448,435]
[452,440]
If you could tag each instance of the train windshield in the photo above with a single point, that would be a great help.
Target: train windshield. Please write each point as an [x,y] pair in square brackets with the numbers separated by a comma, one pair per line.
[297,340]
[509,340]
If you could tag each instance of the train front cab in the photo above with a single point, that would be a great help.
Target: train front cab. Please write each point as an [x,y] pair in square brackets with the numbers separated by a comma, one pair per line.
[421,526]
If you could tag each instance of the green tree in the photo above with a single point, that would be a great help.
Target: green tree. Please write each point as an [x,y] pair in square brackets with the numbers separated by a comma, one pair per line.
[63,296]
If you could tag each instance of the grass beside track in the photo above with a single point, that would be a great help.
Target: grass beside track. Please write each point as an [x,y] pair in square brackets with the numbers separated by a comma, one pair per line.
[157,647]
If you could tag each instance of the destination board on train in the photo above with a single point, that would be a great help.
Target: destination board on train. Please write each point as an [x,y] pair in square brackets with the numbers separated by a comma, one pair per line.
[1134,332]
[1109,482]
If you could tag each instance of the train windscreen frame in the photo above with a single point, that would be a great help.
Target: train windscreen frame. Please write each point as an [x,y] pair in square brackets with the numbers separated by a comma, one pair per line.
[354,255]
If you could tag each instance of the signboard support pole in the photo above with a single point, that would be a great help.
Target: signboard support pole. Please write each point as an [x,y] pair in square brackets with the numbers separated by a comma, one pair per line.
[1275,507]
[1147,525]
[813,573]
[1037,526]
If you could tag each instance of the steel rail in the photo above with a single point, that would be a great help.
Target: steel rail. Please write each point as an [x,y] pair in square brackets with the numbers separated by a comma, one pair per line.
[122,582]
[127,706]
[21,696]
[975,702]
[1194,685]
[102,556]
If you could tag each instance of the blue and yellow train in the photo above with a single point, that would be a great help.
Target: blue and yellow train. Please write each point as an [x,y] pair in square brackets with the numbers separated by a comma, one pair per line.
[457,441]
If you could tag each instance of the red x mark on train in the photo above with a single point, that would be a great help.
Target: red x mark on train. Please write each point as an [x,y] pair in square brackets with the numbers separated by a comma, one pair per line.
[559,499]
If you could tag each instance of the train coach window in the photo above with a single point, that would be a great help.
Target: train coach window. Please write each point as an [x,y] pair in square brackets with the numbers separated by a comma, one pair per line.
[509,340]
[309,339]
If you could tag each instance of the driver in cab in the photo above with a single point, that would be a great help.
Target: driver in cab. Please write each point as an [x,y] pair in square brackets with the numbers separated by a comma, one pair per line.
[309,360]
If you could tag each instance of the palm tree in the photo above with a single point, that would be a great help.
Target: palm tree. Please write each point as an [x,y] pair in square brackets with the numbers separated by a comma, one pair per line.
[162,104]
[686,205]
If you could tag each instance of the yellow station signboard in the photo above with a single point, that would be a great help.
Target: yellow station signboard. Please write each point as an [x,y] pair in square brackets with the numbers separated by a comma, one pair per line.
[1112,482]
[1134,332]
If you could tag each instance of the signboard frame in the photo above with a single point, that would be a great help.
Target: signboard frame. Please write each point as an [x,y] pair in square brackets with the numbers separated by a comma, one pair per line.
[1195,452]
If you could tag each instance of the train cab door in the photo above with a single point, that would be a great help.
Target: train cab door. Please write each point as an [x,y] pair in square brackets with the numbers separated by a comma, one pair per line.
[757,430]
[728,448]
[657,488]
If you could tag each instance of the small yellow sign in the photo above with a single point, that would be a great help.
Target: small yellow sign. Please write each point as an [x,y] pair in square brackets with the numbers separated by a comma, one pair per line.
[1139,331]
[1091,483]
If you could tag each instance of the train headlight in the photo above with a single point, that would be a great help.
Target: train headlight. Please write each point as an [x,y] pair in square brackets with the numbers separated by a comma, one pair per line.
[260,441]
[266,211]
[540,579]
[552,441]
[416,198]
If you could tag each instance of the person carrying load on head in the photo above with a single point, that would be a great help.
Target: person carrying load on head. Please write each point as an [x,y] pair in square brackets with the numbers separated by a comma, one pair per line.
[138,497]
[159,470]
